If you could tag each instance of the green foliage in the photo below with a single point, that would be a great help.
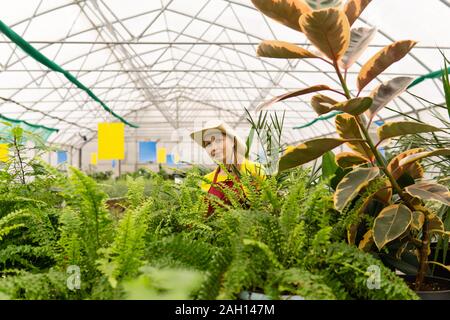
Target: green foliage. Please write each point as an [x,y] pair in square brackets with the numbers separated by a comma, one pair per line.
[352,268]
[163,284]
[32,286]
[300,282]
[124,257]
[165,246]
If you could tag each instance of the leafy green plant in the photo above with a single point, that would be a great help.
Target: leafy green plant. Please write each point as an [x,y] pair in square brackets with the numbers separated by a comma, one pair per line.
[269,133]
[437,166]
[329,30]
[123,258]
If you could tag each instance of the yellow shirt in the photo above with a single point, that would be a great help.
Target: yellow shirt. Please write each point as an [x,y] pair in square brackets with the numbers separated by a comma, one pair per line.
[247,167]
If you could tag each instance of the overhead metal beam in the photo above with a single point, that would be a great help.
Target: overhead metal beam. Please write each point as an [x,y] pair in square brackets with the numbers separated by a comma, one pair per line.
[187,43]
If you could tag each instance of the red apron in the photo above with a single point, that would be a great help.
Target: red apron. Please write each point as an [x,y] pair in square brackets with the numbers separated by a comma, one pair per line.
[216,190]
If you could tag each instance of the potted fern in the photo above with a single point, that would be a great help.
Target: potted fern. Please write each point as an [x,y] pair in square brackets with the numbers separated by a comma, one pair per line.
[404,215]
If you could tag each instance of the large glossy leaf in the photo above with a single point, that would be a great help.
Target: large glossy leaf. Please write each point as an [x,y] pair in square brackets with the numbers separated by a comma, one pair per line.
[347,128]
[414,169]
[391,223]
[383,59]
[425,154]
[329,165]
[351,184]
[359,41]
[292,94]
[282,50]
[286,12]
[367,241]
[430,191]
[352,232]
[328,30]
[307,151]
[349,159]
[435,223]
[322,104]
[338,176]
[418,218]
[354,106]
[323,4]
[354,8]
[400,128]
[386,92]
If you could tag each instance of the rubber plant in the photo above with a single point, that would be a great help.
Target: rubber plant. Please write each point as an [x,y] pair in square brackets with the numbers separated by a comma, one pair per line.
[329,29]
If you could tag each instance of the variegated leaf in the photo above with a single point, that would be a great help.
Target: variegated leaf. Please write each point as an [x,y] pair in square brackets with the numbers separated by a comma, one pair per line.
[347,128]
[386,92]
[435,224]
[349,159]
[328,30]
[414,169]
[307,151]
[400,128]
[391,223]
[282,50]
[286,12]
[425,154]
[418,218]
[292,94]
[430,191]
[351,233]
[382,60]
[367,241]
[354,8]
[359,41]
[354,106]
[351,184]
[322,104]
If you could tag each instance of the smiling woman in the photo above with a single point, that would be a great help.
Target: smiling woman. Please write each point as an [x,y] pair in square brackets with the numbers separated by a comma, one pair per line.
[227,149]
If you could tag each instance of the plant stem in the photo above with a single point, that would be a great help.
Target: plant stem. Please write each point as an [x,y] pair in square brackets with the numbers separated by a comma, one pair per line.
[22,171]
[423,254]
[342,80]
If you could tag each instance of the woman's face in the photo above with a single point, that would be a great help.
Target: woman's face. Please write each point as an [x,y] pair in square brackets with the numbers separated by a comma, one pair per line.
[219,146]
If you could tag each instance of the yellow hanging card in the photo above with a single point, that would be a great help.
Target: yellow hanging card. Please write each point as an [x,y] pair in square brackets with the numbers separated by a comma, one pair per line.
[111,141]
[94,158]
[4,152]
[161,155]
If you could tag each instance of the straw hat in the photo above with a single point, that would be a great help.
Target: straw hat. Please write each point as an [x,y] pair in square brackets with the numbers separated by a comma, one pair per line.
[197,136]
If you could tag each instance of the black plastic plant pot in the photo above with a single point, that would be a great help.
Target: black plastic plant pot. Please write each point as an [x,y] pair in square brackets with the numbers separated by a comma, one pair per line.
[440,291]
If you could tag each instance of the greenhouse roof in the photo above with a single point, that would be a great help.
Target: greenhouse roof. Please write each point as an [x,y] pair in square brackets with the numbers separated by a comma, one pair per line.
[165,64]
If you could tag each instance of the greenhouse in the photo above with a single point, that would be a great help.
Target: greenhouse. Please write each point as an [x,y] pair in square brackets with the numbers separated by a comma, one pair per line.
[225,150]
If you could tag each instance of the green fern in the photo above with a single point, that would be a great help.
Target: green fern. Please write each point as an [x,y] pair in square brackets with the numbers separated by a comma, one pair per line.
[36,286]
[124,257]
[135,193]
[70,239]
[300,282]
